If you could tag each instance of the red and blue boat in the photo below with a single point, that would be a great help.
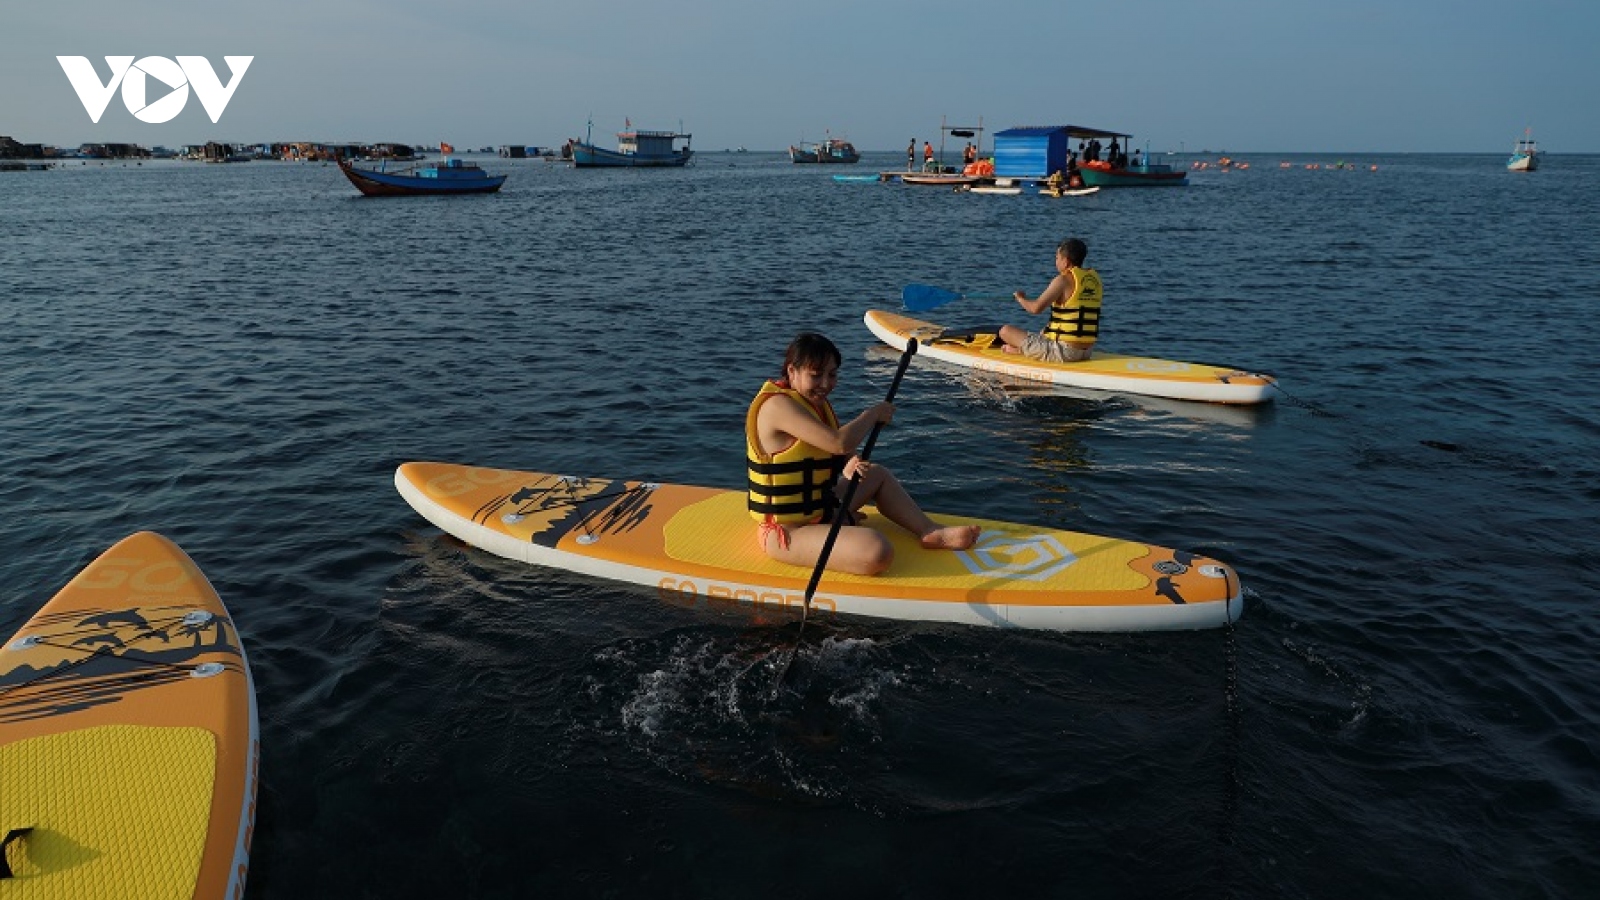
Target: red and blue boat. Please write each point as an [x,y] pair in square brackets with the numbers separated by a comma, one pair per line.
[448,176]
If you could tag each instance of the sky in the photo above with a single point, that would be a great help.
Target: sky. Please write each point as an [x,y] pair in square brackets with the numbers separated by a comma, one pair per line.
[1350,76]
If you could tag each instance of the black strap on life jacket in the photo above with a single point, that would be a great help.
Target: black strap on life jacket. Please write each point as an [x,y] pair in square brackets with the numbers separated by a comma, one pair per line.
[1079,321]
[805,503]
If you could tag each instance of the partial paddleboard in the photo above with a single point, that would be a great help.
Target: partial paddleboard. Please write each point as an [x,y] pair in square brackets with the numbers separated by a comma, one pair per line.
[1074,192]
[129,754]
[697,544]
[1103,371]
[985,189]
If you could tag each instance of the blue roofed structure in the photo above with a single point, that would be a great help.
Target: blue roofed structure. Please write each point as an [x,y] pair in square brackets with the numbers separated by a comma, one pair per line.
[1034,151]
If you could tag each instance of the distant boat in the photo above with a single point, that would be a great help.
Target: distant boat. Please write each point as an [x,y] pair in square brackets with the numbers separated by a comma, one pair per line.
[448,176]
[1525,155]
[832,150]
[635,149]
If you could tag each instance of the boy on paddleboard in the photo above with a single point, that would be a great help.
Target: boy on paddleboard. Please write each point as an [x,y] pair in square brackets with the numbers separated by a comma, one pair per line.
[1073,298]
[796,452]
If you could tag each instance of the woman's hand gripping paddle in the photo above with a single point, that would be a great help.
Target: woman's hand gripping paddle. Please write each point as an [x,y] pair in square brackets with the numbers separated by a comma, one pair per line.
[843,511]
[923,297]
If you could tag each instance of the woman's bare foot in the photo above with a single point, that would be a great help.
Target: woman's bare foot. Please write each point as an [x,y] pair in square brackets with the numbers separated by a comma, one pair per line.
[955,537]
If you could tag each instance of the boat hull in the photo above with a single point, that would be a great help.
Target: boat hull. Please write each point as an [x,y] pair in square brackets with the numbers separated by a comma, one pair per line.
[1522,163]
[588,156]
[934,179]
[397,184]
[1132,178]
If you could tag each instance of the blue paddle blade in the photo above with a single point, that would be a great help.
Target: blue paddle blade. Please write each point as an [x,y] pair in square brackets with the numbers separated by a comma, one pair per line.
[922,297]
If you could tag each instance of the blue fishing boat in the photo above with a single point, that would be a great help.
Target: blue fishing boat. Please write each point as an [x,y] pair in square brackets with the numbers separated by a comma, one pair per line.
[1525,155]
[635,149]
[832,150]
[448,176]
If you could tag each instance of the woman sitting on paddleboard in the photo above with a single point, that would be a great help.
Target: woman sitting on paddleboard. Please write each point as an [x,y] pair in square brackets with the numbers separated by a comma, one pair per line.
[1073,298]
[796,452]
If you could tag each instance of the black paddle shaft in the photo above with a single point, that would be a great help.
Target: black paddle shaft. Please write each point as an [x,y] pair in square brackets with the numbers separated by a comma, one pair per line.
[855,480]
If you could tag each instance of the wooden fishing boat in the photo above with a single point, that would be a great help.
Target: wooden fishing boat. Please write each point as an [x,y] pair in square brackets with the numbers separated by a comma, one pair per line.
[832,150]
[635,149]
[448,176]
[1102,174]
[938,179]
[1525,155]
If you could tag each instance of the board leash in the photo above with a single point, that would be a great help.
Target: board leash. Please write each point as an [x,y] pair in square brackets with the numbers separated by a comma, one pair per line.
[1325,413]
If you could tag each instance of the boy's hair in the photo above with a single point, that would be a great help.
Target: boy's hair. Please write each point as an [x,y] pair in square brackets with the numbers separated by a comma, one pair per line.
[810,350]
[1074,250]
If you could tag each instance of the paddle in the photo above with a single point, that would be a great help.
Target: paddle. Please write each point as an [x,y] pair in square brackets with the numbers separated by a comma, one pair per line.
[842,513]
[923,297]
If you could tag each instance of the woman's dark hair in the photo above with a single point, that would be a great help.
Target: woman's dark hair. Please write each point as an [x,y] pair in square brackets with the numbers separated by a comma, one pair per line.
[810,350]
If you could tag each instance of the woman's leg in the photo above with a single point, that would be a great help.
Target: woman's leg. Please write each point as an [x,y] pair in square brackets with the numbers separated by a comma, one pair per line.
[857,550]
[879,486]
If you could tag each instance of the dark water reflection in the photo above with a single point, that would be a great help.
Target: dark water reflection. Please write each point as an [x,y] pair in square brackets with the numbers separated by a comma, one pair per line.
[238,357]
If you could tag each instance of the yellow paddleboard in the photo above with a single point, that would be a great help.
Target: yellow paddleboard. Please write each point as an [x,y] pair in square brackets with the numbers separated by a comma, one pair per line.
[697,544]
[129,754]
[1103,371]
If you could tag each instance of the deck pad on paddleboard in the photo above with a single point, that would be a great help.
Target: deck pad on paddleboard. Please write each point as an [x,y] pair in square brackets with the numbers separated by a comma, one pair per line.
[1103,371]
[697,543]
[128,736]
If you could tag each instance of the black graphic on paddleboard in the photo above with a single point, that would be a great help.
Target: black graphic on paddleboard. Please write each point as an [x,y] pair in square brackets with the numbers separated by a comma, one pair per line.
[79,661]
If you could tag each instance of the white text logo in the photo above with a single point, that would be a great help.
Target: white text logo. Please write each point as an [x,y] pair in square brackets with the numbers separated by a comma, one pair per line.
[132,76]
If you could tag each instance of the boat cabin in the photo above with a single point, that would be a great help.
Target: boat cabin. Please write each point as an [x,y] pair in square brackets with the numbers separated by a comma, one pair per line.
[1035,151]
[648,143]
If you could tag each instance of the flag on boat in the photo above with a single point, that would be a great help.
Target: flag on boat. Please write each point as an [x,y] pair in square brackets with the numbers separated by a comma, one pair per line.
[446,148]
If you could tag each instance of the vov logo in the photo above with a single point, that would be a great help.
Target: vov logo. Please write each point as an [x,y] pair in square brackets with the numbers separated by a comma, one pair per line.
[132,76]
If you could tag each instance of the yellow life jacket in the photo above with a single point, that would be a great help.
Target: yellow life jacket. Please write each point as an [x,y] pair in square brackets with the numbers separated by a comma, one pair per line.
[1076,319]
[794,485]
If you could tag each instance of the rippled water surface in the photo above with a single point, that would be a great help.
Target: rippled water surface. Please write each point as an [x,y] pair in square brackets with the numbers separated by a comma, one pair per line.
[239,356]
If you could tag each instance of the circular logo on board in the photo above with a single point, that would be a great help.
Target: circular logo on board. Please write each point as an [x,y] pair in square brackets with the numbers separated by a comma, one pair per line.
[1027,557]
[1170,567]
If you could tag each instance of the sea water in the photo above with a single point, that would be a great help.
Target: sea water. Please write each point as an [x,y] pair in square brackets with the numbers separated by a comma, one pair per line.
[238,356]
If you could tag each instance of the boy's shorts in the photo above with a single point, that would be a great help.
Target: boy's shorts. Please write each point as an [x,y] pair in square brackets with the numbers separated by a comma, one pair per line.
[1039,347]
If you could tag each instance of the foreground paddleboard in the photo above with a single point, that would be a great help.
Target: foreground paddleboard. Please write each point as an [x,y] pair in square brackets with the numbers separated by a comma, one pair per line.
[1103,371]
[128,737]
[698,544]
